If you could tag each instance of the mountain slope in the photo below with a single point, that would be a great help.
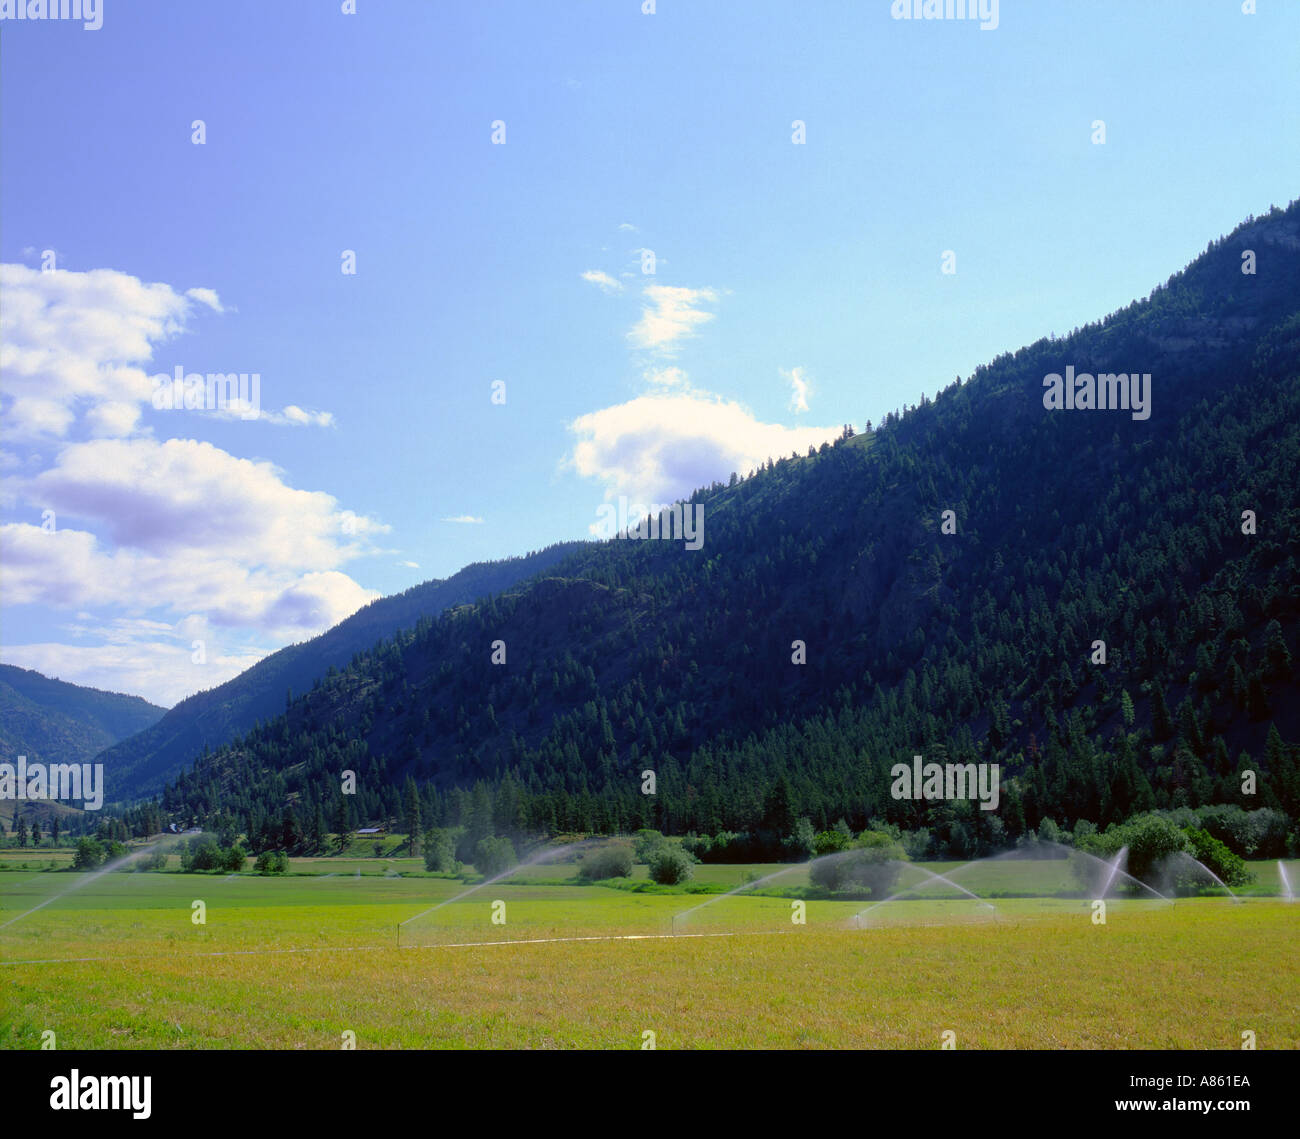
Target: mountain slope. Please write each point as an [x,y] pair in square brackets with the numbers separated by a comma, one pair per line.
[142,764]
[51,721]
[1071,527]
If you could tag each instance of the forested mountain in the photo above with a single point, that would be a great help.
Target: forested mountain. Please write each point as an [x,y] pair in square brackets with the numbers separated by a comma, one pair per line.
[1071,527]
[51,721]
[143,764]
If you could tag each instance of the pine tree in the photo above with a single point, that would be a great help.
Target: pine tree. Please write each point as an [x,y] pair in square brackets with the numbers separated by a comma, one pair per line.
[411,815]
[1275,650]
[1162,724]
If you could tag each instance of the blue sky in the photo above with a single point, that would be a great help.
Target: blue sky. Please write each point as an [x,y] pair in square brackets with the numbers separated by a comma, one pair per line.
[796,287]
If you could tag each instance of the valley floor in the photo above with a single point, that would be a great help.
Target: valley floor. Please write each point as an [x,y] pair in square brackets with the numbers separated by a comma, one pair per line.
[299,961]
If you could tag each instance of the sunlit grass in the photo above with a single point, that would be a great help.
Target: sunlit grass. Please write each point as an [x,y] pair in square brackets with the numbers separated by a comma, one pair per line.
[295,962]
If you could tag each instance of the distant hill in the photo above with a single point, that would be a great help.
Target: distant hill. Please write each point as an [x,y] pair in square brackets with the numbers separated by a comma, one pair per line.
[969,642]
[142,764]
[51,721]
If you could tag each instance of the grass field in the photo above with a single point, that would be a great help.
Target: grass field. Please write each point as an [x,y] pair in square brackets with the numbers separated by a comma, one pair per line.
[295,962]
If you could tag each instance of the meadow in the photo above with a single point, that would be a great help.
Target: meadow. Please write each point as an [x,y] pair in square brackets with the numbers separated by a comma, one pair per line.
[298,961]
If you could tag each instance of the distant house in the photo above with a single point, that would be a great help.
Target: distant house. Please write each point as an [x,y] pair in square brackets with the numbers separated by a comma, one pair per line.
[370,830]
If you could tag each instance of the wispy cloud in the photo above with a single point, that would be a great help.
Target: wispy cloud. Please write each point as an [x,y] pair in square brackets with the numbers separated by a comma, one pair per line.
[664,378]
[799,389]
[670,316]
[603,280]
[468,518]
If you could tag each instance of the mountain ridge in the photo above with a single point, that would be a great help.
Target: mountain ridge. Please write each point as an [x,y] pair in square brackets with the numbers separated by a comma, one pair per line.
[142,764]
[1070,527]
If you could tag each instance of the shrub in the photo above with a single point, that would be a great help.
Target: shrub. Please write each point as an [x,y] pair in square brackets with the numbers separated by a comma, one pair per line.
[271,862]
[647,843]
[612,861]
[1150,840]
[207,855]
[1210,852]
[155,860]
[493,856]
[871,865]
[698,846]
[89,855]
[916,844]
[233,859]
[670,865]
[1048,831]
[1252,834]
[831,842]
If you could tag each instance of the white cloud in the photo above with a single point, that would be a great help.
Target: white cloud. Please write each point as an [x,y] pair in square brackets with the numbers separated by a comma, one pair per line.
[156,663]
[627,227]
[463,518]
[604,280]
[670,316]
[670,377]
[659,448]
[157,544]
[73,342]
[191,534]
[207,297]
[76,344]
[799,389]
[184,495]
[297,416]
[69,569]
[409,565]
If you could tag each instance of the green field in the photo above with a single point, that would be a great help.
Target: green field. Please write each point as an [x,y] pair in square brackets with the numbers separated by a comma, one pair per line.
[297,961]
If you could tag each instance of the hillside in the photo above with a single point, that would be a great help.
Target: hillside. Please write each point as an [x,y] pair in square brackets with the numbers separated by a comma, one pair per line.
[977,646]
[142,764]
[51,721]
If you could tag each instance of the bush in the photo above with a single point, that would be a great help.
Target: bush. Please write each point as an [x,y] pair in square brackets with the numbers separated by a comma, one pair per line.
[272,862]
[725,846]
[647,843]
[1048,831]
[612,861]
[233,859]
[493,856]
[201,854]
[1210,852]
[757,846]
[1150,840]
[155,860]
[89,855]
[670,865]
[1252,834]
[831,842]
[871,865]
[698,846]
[916,844]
